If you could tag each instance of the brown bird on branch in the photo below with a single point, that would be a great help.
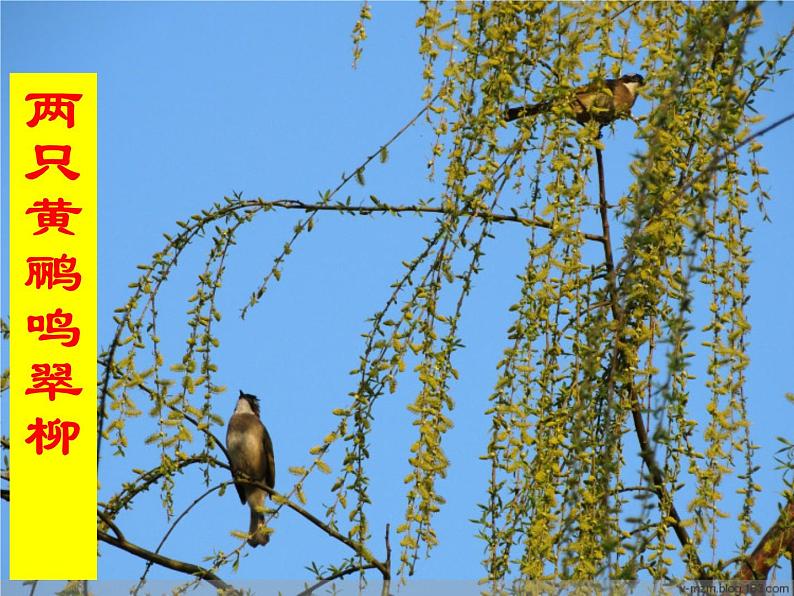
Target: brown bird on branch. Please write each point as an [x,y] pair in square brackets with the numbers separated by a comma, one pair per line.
[603,103]
[251,455]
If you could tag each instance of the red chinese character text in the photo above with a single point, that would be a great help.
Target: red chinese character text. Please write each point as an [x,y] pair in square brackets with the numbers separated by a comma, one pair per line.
[53,271]
[55,326]
[60,162]
[52,379]
[53,214]
[53,105]
[53,431]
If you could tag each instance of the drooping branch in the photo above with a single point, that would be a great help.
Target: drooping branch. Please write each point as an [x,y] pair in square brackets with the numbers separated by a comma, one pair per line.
[641,432]
[247,208]
[183,239]
[358,173]
[687,184]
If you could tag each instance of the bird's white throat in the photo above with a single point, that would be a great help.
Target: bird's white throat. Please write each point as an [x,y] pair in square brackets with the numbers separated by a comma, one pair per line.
[243,407]
[632,87]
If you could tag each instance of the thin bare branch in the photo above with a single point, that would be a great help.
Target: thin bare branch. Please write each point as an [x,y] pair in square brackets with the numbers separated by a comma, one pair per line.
[359,549]
[169,563]
[179,518]
[339,574]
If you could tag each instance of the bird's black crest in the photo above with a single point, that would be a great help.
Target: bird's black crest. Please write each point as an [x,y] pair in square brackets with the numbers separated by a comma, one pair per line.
[633,78]
[252,400]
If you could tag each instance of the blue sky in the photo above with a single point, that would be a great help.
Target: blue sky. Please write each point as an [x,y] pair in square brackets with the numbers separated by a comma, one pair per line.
[198,100]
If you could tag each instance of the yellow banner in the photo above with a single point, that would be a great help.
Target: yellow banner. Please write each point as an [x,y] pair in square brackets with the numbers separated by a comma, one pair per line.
[53,312]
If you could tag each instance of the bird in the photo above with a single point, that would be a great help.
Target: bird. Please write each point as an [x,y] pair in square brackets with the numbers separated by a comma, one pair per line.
[250,453]
[603,103]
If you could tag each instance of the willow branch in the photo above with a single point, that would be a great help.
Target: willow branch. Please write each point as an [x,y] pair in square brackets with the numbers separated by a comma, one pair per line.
[685,185]
[640,430]
[715,161]
[108,521]
[338,575]
[387,578]
[202,428]
[168,563]
[146,479]
[357,548]
[326,198]
[395,136]
[178,244]
[171,529]
[420,209]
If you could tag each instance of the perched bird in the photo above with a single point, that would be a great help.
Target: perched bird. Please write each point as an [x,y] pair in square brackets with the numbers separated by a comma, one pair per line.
[603,103]
[251,454]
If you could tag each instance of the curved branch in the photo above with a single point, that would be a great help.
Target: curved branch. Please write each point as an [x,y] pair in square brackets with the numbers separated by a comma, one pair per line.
[359,549]
[174,564]
[169,563]
[380,207]
[339,574]
[147,479]
[106,519]
[204,429]
[171,529]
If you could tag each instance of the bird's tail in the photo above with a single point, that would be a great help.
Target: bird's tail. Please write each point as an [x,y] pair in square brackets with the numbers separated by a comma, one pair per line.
[522,111]
[258,532]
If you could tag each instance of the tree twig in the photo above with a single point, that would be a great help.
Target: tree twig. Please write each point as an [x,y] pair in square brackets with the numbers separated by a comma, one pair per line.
[120,501]
[109,522]
[181,516]
[387,578]
[359,549]
[339,574]
[176,565]
[381,207]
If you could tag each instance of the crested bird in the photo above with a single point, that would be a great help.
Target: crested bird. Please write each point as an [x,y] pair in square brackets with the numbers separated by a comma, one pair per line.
[603,102]
[251,455]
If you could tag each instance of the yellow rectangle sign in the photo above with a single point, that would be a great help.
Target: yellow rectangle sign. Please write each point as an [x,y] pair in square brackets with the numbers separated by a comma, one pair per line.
[53,312]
